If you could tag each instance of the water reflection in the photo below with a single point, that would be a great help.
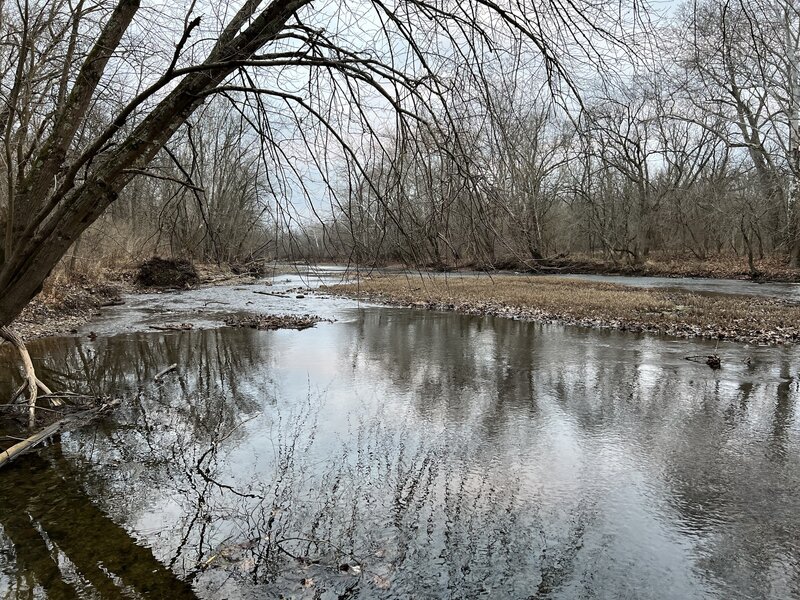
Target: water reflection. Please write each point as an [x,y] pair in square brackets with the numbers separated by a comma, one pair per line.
[414,454]
[64,545]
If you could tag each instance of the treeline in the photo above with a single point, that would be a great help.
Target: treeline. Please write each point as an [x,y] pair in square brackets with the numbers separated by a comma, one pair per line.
[694,153]
[207,197]
[691,150]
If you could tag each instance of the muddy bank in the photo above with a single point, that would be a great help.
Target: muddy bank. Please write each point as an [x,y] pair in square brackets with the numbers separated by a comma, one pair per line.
[749,319]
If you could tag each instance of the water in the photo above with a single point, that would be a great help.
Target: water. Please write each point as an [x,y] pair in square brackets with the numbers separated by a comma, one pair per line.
[777,289]
[406,454]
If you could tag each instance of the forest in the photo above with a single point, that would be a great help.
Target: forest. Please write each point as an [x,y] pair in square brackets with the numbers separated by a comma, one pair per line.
[641,134]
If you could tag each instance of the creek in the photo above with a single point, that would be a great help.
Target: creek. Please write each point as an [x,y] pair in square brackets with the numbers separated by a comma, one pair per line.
[396,453]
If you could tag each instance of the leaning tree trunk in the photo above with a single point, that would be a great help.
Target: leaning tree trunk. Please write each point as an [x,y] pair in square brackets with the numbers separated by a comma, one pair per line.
[50,209]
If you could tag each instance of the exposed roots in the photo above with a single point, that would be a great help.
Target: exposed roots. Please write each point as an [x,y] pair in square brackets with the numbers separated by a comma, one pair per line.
[29,374]
[32,383]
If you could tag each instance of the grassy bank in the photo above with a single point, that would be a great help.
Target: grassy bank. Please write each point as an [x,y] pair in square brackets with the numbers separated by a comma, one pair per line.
[772,268]
[683,314]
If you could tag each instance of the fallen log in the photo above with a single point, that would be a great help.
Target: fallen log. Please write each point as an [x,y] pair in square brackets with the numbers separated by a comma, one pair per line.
[270,294]
[37,438]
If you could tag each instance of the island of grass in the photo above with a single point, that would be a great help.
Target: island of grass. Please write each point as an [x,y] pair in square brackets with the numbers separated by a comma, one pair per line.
[749,319]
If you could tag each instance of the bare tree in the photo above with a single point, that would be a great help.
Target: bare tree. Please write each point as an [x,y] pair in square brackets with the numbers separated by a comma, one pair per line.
[741,62]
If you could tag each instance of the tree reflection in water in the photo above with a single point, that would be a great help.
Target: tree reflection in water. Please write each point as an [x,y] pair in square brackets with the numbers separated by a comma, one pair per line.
[409,454]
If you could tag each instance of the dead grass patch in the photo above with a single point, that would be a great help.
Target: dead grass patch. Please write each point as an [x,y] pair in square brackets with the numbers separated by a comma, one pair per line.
[684,314]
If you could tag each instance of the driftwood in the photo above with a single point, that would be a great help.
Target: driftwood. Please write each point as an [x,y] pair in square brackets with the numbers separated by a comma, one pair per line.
[270,294]
[37,438]
[163,372]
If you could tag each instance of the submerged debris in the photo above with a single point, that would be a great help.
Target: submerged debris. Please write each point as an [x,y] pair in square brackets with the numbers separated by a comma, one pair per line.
[272,322]
[73,410]
[712,360]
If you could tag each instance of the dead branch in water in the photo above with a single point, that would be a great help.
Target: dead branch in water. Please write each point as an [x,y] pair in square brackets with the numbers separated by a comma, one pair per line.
[163,372]
[173,327]
[37,438]
[270,294]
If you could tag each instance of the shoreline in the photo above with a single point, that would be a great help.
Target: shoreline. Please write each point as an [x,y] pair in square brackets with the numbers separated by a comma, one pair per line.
[769,269]
[744,319]
[74,304]
[65,307]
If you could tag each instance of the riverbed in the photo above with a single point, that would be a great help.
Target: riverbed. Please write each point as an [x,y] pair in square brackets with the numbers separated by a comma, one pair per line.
[393,453]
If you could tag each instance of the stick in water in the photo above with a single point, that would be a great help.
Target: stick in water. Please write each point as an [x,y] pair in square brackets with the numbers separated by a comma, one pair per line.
[163,372]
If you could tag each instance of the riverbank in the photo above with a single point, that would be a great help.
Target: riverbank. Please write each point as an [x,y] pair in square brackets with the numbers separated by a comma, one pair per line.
[69,301]
[768,269]
[748,319]
[65,305]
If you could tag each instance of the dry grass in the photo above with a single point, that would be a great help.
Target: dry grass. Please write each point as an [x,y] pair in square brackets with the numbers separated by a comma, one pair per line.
[770,268]
[742,318]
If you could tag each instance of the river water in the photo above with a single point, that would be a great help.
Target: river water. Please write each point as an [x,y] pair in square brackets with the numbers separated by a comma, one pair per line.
[405,454]
[776,289]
